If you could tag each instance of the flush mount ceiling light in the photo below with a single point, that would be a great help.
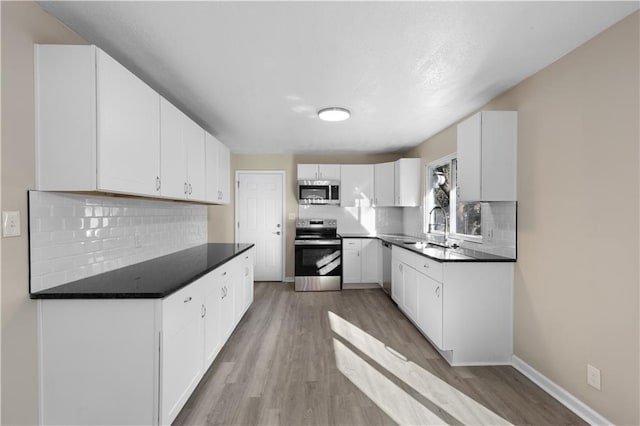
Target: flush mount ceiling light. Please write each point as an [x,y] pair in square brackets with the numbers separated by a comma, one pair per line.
[334,114]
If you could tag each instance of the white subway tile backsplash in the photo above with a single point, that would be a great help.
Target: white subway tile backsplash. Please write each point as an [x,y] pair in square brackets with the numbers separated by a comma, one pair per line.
[76,236]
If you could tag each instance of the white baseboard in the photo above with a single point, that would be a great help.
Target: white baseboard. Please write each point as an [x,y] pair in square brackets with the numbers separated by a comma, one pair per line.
[581,409]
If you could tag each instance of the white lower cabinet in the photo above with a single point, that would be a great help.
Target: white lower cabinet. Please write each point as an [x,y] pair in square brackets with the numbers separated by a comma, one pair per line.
[360,260]
[397,281]
[136,361]
[464,308]
[429,316]
[182,345]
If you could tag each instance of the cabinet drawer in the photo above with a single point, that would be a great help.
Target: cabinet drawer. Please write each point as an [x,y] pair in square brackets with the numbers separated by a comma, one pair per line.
[429,267]
[424,265]
[352,243]
[181,308]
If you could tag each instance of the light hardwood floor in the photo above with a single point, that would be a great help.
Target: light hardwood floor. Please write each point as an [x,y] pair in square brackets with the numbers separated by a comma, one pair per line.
[352,358]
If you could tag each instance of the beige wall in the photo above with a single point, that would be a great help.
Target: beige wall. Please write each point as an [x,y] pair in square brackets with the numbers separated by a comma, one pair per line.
[221,218]
[23,23]
[577,279]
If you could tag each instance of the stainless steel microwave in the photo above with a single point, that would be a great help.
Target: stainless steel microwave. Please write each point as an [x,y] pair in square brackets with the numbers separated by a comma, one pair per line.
[319,192]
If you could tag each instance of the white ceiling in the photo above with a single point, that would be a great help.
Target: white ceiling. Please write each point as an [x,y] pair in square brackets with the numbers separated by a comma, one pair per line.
[254,74]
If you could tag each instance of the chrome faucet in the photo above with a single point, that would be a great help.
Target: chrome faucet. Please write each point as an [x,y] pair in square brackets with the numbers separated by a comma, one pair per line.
[444,213]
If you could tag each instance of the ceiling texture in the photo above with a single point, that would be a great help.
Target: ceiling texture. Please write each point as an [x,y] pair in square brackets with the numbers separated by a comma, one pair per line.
[254,74]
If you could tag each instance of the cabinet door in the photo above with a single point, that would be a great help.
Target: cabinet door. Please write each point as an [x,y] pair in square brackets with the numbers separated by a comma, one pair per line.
[224,170]
[356,185]
[430,308]
[173,156]
[369,260]
[307,171]
[410,294]
[469,159]
[499,155]
[212,325]
[247,278]
[194,143]
[383,184]
[128,117]
[407,182]
[227,318]
[182,349]
[351,265]
[65,117]
[397,282]
[329,171]
[211,168]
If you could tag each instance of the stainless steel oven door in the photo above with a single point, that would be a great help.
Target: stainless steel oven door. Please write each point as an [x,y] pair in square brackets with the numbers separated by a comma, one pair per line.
[318,265]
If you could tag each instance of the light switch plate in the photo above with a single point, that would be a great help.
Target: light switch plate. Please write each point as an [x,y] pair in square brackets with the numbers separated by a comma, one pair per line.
[593,376]
[11,223]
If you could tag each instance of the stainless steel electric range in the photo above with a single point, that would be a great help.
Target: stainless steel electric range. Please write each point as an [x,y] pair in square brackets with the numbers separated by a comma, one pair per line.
[318,255]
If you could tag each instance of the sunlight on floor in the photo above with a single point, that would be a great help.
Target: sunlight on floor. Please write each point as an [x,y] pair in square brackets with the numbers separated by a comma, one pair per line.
[373,383]
[394,401]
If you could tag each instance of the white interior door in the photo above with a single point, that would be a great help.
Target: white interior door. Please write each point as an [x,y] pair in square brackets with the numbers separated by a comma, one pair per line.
[259,220]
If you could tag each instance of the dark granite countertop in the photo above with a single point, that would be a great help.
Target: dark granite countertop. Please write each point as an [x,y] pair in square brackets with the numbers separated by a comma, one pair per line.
[436,253]
[152,279]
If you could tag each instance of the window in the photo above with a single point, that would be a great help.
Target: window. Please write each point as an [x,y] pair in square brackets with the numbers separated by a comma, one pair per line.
[463,219]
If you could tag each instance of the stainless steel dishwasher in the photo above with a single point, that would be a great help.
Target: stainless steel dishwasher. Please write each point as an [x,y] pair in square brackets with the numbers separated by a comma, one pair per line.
[386,267]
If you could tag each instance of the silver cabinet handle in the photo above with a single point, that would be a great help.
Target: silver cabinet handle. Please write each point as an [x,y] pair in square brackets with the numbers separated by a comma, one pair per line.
[203,311]
[157,183]
[187,300]
[438,291]
[224,273]
[185,187]
[426,265]
[277,232]
[189,189]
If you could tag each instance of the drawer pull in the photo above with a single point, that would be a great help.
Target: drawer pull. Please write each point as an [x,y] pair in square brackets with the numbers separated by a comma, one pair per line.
[438,291]
[426,266]
[187,300]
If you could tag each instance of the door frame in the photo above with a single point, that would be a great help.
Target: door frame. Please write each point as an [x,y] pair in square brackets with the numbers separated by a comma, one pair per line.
[283,248]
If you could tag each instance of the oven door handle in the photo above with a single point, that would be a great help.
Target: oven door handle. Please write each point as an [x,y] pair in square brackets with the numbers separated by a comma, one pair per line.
[316,242]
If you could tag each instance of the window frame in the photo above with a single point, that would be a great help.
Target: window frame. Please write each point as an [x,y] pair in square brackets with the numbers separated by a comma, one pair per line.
[453,200]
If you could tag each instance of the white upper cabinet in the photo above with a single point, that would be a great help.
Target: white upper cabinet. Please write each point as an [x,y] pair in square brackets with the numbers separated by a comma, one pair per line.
[224,171]
[194,141]
[318,172]
[128,123]
[173,167]
[101,128]
[487,157]
[183,155]
[407,182]
[383,177]
[97,124]
[217,169]
[356,185]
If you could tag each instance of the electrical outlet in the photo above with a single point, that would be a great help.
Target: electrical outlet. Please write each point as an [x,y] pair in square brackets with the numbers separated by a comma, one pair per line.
[593,376]
[11,224]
